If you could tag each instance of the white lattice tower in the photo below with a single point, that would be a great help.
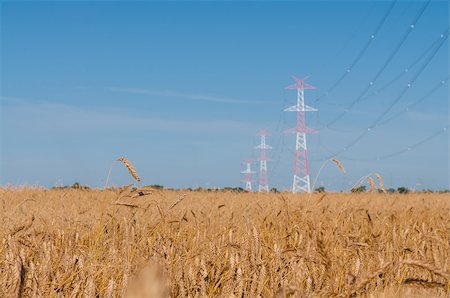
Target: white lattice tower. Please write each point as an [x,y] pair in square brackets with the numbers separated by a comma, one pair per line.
[263,176]
[248,175]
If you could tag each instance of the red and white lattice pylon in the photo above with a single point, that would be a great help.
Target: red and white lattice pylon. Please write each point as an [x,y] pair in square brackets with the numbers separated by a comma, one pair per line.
[263,177]
[248,175]
[301,171]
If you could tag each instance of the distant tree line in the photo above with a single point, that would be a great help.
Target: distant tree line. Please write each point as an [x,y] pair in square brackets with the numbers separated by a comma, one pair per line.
[76,185]
[321,189]
[400,190]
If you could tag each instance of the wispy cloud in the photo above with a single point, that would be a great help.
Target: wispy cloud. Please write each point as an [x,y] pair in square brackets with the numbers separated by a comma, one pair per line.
[12,99]
[183,95]
[55,117]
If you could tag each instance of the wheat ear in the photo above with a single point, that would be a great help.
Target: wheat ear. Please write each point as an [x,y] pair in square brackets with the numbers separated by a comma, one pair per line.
[380,182]
[428,267]
[423,283]
[130,168]
[339,165]
[372,184]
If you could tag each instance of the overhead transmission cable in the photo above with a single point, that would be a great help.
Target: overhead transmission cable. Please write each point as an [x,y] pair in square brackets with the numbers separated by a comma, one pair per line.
[401,151]
[392,154]
[360,54]
[402,73]
[433,46]
[396,100]
[421,99]
[383,67]
[280,143]
[411,82]
[436,87]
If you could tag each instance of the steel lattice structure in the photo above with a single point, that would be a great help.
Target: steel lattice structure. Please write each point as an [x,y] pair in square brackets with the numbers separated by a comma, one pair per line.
[263,177]
[301,171]
[248,175]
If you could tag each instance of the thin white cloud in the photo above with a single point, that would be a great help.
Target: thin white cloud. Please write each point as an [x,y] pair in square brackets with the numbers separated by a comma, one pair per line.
[183,95]
[56,117]
[12,99]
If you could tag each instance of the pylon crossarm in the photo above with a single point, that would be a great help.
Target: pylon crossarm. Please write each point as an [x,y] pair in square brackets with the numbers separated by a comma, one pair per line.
[297,108]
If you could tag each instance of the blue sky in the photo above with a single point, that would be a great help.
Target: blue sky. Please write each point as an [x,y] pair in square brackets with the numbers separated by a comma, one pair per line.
[181,89]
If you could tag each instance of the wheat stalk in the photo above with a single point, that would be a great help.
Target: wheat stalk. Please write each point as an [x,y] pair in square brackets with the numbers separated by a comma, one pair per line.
[428,267]
[380,182]
[372,184]
[19,274]
[362,284]
[361,180]
[130,168]
[240,282]
[110,289]
[339,165]
[423,283]
[181,198]
[270,246]
[23,227]
[261,280]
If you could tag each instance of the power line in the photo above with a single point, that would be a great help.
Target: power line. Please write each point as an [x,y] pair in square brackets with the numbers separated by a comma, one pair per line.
[280,142]
[380,117]
[427,95]
[381,70]
[421,99]
[403,72]
[401,151]
[392,154]
[411,82]
[435,44]
[360,54]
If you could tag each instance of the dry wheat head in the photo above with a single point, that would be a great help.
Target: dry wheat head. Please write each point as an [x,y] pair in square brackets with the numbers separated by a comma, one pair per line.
[130,168]
[380,182]
[372,184]
[339,165]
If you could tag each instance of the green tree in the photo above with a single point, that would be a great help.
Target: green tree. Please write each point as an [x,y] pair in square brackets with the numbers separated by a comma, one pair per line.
[359,189]
[157,186]
[403,190]
[320,189]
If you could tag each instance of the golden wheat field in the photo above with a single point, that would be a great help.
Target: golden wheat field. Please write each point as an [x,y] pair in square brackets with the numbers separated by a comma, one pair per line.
[150,243]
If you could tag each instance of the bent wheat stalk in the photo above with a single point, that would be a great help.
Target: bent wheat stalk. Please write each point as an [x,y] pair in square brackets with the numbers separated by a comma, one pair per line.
[339,165]
[423,282]
[380,182]
[130,168]
[128,165]
[335,161]
[361,180]
[428,267]
[372,184]
[181,198]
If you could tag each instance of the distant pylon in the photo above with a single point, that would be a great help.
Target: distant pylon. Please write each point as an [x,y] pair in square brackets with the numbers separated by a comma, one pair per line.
[263,177]
[301,171]
[248,175]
